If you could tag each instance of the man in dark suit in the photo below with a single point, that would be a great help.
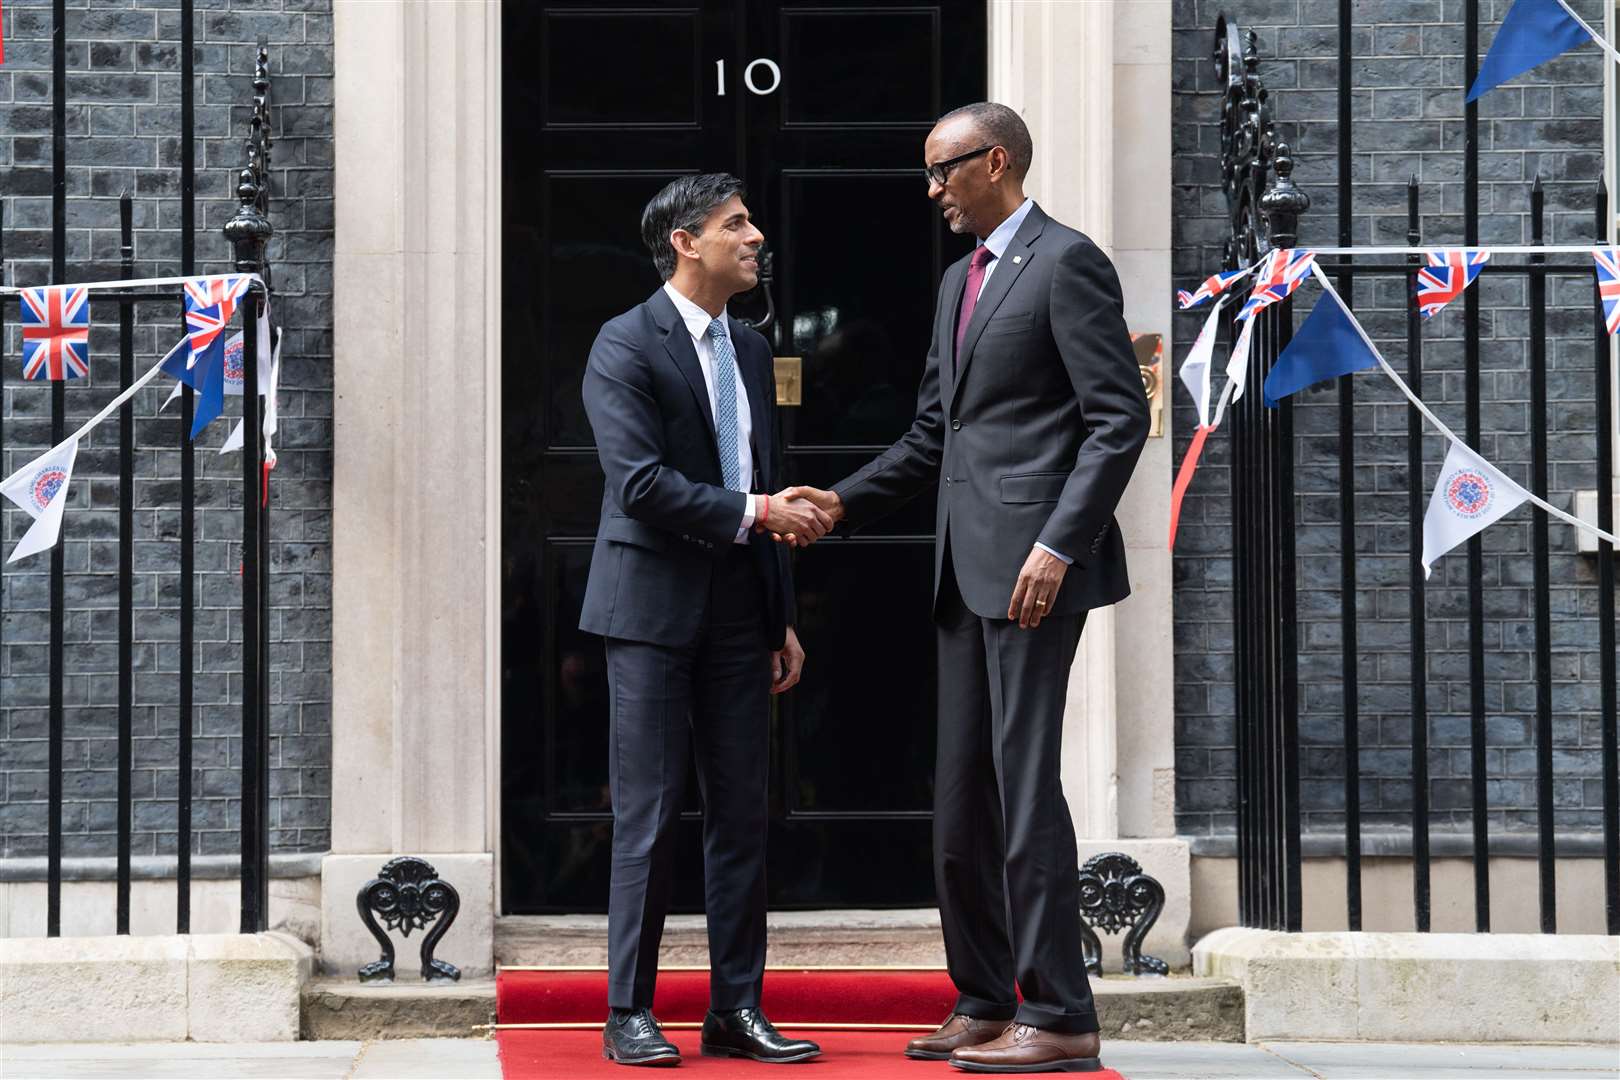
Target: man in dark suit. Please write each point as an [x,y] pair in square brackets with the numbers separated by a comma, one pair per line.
[697,610]
[1030,418]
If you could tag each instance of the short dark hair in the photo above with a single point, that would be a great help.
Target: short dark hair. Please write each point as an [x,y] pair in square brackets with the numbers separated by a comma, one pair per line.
[685,203]
[1001,127]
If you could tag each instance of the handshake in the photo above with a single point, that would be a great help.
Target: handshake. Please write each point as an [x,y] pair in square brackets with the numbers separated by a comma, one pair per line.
[798,516]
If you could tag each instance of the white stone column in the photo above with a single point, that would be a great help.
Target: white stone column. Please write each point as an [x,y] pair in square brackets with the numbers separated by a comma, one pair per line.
[1092,81]
[416,469]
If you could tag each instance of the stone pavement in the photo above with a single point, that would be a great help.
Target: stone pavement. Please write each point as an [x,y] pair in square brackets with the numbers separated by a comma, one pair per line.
[474,1059]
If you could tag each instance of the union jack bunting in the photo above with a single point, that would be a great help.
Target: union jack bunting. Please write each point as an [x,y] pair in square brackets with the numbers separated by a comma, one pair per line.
[1608,276]
[1449,273]
[1280,275]
[210,305]
[1212,286]
[56,332]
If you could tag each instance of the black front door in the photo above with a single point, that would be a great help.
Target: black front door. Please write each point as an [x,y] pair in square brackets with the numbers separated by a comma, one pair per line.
[822,110]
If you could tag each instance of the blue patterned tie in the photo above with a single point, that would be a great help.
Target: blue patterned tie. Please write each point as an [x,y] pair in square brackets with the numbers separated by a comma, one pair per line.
[725,404]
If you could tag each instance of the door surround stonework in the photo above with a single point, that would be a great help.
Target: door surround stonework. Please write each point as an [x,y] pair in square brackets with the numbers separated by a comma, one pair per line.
[416,532]
[416,466]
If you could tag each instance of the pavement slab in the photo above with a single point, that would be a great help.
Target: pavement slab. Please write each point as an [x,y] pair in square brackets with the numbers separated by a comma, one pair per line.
[179,1061]
[1446,1061]
[1201,1060]
[476,1059]
[429,1059]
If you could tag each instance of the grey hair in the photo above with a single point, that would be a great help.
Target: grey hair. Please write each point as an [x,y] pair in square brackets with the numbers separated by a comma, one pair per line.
[1001,127]
[685,203]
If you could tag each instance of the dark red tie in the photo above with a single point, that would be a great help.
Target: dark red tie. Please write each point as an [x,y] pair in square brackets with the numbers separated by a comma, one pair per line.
[970,294]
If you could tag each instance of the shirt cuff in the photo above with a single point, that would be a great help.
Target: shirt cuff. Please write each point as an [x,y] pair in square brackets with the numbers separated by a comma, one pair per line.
[747,519]
[1055,554]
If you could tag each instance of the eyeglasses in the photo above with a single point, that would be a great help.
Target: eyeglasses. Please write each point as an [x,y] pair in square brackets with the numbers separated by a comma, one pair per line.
[940,172]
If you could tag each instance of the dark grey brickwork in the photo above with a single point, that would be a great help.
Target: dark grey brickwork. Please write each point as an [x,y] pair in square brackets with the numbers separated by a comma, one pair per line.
[1408,107]
[123,121]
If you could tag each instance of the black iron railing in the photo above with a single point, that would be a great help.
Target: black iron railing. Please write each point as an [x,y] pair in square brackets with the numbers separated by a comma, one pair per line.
[248,232]
[1265,208]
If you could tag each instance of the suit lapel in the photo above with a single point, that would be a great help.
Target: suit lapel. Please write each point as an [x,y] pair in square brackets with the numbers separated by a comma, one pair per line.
[678,343]
[1008,267]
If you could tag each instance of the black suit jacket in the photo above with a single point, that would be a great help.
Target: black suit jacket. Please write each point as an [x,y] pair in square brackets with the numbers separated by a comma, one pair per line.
[666,516]
[1031,433]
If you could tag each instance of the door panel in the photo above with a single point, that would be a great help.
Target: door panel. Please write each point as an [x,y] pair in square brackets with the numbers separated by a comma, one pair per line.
[860,67]
[602,106]
[612,68]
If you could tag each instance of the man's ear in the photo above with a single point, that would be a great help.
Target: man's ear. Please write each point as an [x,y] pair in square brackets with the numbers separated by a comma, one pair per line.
[997,162]
[684,243]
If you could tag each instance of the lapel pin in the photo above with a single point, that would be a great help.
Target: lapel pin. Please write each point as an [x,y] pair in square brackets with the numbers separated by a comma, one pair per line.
[1018,258]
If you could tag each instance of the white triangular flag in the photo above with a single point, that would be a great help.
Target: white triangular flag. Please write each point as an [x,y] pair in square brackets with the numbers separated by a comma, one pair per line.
[1237,371]
[1470,495]
[269,380]
[40,487]
[1195,369]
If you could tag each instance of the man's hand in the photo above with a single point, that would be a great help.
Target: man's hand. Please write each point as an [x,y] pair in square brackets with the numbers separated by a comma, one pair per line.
[801,515]
[787,663]
[1037,588]
[827,503]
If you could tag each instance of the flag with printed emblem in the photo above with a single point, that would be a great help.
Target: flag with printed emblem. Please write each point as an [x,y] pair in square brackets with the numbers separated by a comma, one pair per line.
[1471,495]
[40,487]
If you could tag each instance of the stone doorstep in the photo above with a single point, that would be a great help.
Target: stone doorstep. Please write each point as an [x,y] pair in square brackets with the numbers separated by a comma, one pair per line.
[336,1008]
[1147,1010]
[854,937]
[1407,987]
[198,987]
[1154,1010]
[907,937]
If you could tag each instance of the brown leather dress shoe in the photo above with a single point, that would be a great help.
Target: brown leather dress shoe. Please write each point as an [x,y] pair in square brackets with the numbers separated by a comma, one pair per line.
[1025,1049]
[960,1030]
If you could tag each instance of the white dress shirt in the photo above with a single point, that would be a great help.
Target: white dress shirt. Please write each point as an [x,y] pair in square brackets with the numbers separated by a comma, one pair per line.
[697,324]
[997,242]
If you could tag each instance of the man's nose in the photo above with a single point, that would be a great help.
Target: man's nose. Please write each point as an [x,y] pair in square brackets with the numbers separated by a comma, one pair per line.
[935,190]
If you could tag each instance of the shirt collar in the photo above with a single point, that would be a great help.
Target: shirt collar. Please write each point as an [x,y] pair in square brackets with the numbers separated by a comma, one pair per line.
[998,240]
[696,319]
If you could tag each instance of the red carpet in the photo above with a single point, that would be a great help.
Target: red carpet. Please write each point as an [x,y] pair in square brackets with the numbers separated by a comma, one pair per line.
[807,1002]
[792,996]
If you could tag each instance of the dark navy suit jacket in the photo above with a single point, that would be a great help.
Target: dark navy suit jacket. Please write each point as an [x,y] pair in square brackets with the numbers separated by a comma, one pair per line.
[1031,433]
[666,516]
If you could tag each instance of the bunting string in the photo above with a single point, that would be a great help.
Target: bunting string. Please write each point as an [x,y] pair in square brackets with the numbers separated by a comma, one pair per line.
[1417,403]
[138,283]
[1614,53]
[112,406]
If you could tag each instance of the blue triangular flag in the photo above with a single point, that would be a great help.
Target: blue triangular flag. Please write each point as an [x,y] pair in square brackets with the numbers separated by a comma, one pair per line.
[1326,345]
[206,377]
[174,366]
[209,371]
[1534,32]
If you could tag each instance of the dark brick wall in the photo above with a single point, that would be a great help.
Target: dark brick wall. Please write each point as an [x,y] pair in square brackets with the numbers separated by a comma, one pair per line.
[1408,108]
[123,122]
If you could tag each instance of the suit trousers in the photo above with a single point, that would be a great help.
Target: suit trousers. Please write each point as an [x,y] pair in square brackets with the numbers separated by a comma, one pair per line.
[1005,864]
[708,702]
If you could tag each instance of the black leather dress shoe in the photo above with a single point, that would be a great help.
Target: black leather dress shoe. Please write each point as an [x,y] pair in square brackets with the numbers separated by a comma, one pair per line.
[746,1033]
[632,1037]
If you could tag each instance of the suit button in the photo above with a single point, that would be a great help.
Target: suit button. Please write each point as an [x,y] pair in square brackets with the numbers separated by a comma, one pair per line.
[685,537]
[947,481]
[956,425]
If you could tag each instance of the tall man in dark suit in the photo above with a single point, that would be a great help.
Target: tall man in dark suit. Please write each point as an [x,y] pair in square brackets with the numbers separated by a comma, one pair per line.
[697,610]
[1030,419]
